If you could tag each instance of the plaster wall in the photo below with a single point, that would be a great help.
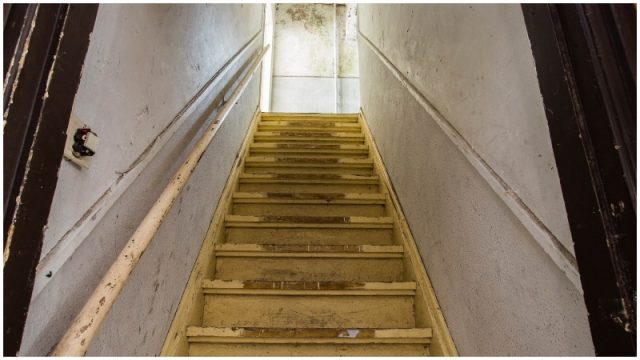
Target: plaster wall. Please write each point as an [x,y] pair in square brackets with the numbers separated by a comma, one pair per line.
[145,62]
[500,293]
[304,56]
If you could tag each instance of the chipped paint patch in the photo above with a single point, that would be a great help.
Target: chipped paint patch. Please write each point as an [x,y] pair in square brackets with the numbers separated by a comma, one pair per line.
[349,333]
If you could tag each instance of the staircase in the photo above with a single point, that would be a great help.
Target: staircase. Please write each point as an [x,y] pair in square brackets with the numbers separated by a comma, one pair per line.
[308,259]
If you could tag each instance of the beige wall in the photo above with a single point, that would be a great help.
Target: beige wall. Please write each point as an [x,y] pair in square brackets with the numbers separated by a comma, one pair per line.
[500,290]
[144,63]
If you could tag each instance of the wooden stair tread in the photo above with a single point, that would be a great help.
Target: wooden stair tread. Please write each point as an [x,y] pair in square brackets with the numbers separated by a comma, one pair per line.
[311,154]
[306,127]
[308,146]
[292,160]
[309,198]
[309,134]
[309,117]
[308,221]
[310,177]
[312,219]
[307,285]
[314,335]
[328,138]
[286,262]
[308,288]
[291,249]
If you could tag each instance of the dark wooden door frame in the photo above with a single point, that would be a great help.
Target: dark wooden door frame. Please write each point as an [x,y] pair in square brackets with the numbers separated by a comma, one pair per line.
[585,60]
[39,96]
[19,129]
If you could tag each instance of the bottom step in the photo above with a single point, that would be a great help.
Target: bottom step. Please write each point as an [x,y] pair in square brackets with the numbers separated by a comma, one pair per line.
[212,341]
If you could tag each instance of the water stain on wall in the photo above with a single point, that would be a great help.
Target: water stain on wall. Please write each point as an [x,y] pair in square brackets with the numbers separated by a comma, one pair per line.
[311,16]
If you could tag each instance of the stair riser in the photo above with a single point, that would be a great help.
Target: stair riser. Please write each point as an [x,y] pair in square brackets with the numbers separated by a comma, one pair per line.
[308,209]
[203,349]
[309,269]
[377,311]
[310,129]
[325,236]
[303,123]
[309,133]
[287,153]
[310,118]
[284,146]
[345,170]
[308,188]
[310,140]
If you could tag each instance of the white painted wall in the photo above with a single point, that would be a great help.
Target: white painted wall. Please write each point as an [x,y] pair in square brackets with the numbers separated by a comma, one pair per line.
[307,40]
[501,294]
[144,63]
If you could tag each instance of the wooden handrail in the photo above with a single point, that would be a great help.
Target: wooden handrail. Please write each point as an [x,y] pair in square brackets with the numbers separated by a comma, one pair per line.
[76,340]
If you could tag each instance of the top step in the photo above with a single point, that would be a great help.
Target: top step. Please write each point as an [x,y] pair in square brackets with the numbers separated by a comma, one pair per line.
[310,117]
[311,126]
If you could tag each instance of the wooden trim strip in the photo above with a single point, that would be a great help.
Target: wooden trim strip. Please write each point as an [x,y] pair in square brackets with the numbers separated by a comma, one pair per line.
[251,249]
[307,340]
[269,201]
[86,324]
[307,288]
[309,129]
[312,219]
[307,255]
[246,225]
[308,134]
[309,292]
[316,125]
[309,334]
[312,178]
[292,160]
[309,198]
[306,285]
[245,221]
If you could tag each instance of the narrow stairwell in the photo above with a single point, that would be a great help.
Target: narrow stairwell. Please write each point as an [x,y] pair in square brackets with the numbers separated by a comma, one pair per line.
[309,259]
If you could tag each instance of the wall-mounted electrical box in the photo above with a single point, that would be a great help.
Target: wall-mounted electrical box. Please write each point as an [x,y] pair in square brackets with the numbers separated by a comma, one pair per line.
[82,143]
